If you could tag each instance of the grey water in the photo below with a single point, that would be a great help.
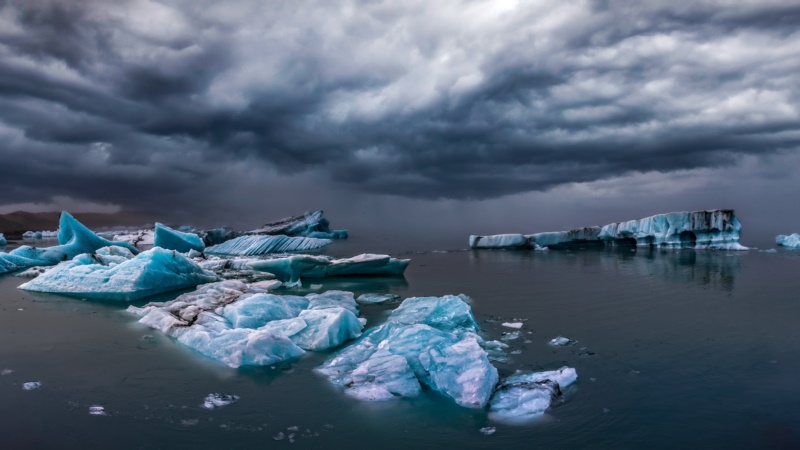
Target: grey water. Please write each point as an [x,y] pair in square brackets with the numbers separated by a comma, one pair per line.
[676,349]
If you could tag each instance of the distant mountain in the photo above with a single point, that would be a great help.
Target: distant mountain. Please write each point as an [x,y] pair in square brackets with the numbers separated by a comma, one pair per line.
[16,223]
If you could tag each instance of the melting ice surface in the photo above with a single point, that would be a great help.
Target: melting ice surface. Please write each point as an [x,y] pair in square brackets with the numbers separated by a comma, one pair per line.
[266,244]
[113,273]
[74,239]
[293,268]
[427,341]
[717,229]
[790,241]
[240,324]
[525,396]
[167,238]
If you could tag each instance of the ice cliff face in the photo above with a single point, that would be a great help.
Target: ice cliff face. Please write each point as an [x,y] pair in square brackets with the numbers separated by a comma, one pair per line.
[74,239]
[790,241]
[717,229]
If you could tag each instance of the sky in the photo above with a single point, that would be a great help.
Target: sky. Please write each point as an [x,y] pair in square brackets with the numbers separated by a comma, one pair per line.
[428,117]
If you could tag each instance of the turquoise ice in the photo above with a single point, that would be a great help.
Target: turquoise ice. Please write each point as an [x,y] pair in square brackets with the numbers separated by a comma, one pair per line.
[3,241]
[265,244]
[522,397]
[74,239]
[167,238]
[790,241]
[113,273]
[294,268]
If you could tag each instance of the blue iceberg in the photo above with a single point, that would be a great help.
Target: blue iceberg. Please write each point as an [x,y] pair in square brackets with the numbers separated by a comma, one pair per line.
[264,245]
[522,397]
[293,268]
[3,240]
[113,273]
[243,324]
[716,229]
[74,239]
[167,238]
[790,241]
[428,341]
[310,224]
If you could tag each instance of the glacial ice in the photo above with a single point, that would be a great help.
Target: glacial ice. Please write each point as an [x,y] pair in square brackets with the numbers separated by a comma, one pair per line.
[31,385]
[113,273]
[3,241]
[217,400]
[525,396]
[716,229]
[790,241]
[266,244]
[142,239]
[40,235]
[169,239]
[372,299]
[310,224]
[561,341]
[515,325]
[435,337]
[293,268]
[240,324]
[74,239]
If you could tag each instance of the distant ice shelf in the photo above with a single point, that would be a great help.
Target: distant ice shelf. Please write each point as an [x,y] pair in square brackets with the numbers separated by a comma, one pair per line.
[716,229]
[790,241]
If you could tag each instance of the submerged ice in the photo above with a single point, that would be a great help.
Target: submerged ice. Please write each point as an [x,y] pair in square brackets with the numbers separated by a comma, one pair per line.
[240,324]
[717,229]
[74,239]
[426,342]
[790,241]
[114,273]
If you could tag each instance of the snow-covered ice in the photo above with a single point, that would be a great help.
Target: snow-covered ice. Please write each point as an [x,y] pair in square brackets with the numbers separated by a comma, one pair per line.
[142,239]
[113,273]
[167,238]
[240,324]
[266,244]
[716,229]
[525,396]
[74,239]
[790,241]
[217,400]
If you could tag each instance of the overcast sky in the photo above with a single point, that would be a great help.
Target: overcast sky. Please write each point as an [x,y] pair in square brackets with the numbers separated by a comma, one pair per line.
[484,116]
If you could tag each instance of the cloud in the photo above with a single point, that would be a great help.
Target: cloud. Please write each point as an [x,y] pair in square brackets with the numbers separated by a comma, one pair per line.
[182,104]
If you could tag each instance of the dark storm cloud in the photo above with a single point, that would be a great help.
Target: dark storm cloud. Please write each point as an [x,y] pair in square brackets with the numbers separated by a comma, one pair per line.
[151,103]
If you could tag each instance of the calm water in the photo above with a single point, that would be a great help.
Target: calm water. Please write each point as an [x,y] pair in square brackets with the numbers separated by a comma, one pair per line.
[676,349]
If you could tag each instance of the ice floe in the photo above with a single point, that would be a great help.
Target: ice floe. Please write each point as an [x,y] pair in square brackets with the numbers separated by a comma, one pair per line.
[790,241]
[74,239]
[217,400]
[167,238]
[293,268]
[525,396]
[31,385]
[716,229]
[113,273]
[240,324]
[310,224]
[561,341]
[371,299]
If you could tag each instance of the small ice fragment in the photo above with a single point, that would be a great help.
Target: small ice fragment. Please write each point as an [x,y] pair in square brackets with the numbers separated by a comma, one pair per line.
[315,286]
[562,341]
[97,410]
[6,372]
[488,431]
[218,400]
[510,336]
[293,428]
[189,422]
[280,436]
[516,352]
[370,299]
[31,385]
[516,325]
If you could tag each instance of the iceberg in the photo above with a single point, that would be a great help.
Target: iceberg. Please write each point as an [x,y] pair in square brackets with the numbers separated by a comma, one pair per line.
[310,224]
[243,324]
[169,239]
[40,235]
[3,240]
[235,268]
[790,241]
[427,341]
[114,273]
[74,239]
[263,245]
[142,239]
[372,299]
[716,229]
[525,396]
[293,268]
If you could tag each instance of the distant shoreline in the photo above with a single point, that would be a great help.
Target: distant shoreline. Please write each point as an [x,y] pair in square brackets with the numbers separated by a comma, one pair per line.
[13,225]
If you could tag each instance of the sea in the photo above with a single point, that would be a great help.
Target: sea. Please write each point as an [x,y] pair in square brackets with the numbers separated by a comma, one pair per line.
[675,349]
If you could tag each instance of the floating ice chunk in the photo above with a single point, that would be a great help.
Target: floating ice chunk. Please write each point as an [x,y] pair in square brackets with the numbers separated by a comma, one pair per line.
[97,410]
[292,268]
[114,277]
[790,241]
[33,272]
[370,299]
[327,328]
[142,239]
[266,244]
[717,229]
[3,240]
[516,325]
[526,396]
[40,235]
[561,341]
[771,250]
[310,224]
[167,238]
[217,400]
[240,346]
[6,372]
[434,335]
[488,431]
[74,239]
[495,350]
[333,299]
[31,385]
[256,310]
[510,336]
